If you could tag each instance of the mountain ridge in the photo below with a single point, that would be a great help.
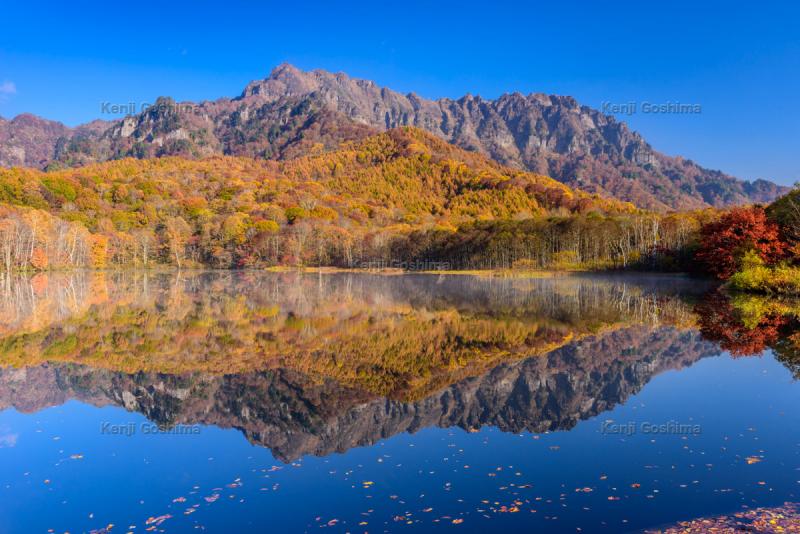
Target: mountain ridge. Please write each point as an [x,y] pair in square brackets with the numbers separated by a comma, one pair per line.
[291,113]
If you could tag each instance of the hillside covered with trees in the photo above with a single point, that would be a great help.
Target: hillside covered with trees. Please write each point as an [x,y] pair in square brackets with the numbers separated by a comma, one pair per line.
[397,199]
[337,208]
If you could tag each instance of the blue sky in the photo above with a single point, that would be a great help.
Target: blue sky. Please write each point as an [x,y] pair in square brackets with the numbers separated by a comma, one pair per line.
[739,63]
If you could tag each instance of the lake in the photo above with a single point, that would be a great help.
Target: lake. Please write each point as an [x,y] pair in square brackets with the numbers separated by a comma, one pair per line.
[356,402]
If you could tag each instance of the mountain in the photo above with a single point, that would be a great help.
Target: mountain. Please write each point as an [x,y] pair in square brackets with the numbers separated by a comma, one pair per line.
[293,113]
[30,141]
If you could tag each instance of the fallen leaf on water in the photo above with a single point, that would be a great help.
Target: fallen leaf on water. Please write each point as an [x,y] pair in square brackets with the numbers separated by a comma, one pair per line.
[156,521]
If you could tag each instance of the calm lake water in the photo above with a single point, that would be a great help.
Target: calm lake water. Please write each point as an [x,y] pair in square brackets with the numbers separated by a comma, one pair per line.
[284,402]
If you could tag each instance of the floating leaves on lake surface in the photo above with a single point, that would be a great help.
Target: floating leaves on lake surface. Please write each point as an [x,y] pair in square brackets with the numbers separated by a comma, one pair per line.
[157,521]
[425,478]
[784,518]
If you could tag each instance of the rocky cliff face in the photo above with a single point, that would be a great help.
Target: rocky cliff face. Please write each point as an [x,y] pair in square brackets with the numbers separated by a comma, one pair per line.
[280,129]
[295,416]
[292,113]
[547,134]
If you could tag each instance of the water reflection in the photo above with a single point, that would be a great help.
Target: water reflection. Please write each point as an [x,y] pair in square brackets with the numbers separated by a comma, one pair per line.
[308,365]
[746,325]
[400,337]
[294,415]
[312,363]
[304,363]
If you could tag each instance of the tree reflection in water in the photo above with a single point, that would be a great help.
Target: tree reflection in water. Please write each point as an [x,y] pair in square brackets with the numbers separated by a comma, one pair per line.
[312,364]
[747,325]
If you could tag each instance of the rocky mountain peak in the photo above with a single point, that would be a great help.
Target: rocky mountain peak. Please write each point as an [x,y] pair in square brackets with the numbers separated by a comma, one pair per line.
[292,111]
[285,80]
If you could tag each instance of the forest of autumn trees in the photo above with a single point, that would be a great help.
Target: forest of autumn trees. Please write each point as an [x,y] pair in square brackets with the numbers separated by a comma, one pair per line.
[339,208]
[32,238]
[395,198]
[593,241]
[755,249]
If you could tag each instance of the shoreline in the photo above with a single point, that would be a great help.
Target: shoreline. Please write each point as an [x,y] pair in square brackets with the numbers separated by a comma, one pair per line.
[484,273]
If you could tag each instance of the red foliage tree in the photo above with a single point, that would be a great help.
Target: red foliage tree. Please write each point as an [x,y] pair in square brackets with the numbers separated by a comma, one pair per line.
[724,242]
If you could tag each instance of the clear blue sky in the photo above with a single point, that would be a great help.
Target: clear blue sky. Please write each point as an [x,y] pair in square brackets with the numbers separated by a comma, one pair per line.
[739,63]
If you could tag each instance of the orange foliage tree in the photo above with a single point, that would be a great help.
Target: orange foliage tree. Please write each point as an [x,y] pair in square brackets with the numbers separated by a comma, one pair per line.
[39,259]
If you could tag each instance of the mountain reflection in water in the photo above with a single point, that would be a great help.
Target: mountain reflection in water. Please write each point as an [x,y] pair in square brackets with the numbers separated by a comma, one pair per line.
[320,363]
[440,392]
[294,415]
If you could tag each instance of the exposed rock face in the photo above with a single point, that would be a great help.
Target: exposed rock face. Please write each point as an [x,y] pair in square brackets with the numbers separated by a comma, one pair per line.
[291,113]
[548,134]
[295,416]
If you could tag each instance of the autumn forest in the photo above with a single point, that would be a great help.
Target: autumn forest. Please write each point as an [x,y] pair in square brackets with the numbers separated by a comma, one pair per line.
[403,197]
